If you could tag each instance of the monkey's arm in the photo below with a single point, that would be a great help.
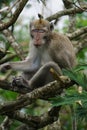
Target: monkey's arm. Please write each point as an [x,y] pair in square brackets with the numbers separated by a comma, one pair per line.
[29,65]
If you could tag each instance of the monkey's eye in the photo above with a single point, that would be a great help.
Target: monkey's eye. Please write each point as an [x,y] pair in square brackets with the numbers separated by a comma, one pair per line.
[45,37]
[39,30]
[32,36]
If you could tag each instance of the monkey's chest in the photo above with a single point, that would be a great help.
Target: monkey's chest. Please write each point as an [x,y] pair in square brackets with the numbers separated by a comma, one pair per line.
[45,58]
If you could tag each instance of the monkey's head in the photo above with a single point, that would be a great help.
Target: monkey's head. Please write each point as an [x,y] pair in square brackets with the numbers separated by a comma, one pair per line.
[40,31]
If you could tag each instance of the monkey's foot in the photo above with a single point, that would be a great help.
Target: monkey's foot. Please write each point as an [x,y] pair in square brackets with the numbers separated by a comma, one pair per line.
[20,82]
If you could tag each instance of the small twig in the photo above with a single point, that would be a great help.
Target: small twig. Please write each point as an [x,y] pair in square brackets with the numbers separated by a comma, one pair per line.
[24,127]
[74,3]
[5,124]
[15,3]
[4,9]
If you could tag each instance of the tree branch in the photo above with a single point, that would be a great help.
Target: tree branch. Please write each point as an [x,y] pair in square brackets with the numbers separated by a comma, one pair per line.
[77,33]
[14,16]
[66,12]
[5,124]
[18,49]
[24,127]
[72,17]
[7,86]
[37,121]
[45,92]
[81,43]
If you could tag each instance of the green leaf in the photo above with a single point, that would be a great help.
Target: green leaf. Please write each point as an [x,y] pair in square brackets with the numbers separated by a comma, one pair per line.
[79,67]
[78,77]
[69,99]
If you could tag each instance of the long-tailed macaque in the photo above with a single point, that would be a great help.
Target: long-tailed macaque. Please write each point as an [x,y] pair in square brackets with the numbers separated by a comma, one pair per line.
[47,49]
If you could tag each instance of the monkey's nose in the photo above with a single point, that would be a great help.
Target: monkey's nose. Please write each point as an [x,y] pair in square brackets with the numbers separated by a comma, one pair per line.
[37,43]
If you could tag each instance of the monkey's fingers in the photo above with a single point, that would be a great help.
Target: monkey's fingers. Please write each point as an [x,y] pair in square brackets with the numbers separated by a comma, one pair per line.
[19,82]
[4,67]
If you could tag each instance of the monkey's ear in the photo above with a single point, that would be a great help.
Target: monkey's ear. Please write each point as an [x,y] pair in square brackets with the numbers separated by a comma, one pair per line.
[51,26]
[40,16]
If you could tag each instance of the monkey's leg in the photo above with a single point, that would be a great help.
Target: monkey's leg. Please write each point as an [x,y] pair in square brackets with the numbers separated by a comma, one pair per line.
[43,75]
[40,78]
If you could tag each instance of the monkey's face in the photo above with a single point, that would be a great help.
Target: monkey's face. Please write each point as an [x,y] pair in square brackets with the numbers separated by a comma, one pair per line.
[40,31]
[39,36]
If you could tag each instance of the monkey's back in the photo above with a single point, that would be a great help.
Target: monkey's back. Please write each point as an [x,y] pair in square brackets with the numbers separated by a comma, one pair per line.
[62,50]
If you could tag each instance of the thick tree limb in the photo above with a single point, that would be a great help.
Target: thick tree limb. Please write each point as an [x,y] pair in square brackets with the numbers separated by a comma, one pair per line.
[66,12]
[37,121]
[44,92]
[77,33]
[14,16]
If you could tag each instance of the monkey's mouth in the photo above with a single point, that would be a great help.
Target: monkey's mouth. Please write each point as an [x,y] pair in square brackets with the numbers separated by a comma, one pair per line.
[37,45]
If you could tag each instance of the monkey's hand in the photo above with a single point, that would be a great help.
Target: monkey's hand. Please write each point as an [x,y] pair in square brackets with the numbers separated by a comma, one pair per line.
[20,82]
[4,67]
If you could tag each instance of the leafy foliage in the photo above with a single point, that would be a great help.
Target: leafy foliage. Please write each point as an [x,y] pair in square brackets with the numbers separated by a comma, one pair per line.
[78,77]
[73,96]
